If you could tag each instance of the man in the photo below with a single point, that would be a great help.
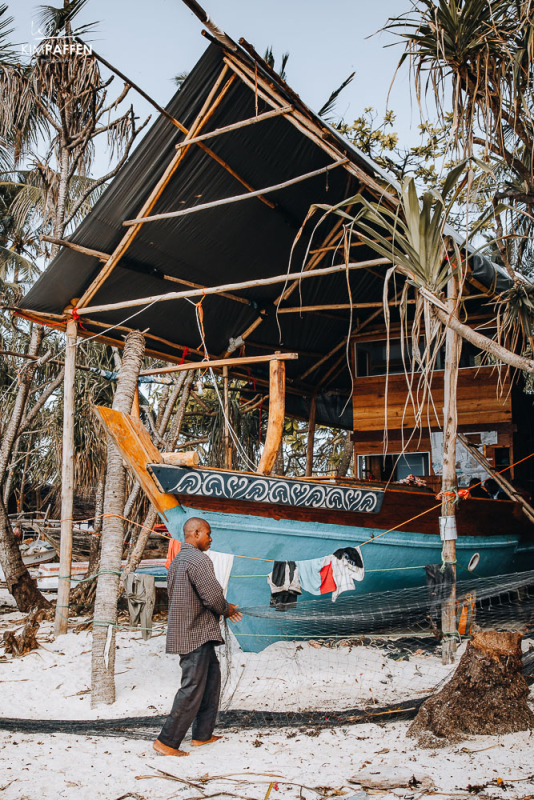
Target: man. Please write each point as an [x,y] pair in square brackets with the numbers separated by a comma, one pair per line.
[196,601]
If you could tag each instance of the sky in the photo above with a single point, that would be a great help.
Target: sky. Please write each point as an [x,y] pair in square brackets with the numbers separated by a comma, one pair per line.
[154,40]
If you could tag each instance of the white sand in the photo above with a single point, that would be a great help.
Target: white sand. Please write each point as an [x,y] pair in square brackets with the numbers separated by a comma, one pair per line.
[46,685]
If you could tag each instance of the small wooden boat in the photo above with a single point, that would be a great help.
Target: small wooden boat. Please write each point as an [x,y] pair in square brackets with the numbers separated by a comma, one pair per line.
[265,518]
[47,575]
[37,553]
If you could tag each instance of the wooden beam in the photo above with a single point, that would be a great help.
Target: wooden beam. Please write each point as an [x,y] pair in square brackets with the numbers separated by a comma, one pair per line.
[221,362]
[61,622]
[226,428]
[162,276]
[141,301]
[505,485]
[338,307]
[237,125]
[78,247]
[204,115]
[138,450]
[225,201]
[275,424]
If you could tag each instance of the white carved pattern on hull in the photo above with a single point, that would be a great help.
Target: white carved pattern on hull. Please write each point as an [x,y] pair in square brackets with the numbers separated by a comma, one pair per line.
[272,490]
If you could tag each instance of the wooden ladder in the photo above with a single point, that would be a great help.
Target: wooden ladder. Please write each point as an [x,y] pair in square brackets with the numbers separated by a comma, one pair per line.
[505,485]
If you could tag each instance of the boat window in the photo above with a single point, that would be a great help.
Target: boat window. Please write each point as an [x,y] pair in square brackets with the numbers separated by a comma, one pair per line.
[371,357]
[393,467]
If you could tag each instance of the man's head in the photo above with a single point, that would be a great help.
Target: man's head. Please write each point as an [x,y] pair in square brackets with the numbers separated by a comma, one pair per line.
[198,533]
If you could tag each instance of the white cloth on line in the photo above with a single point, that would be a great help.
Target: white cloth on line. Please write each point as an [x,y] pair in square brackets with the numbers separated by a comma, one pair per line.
[344,574]
[222,566]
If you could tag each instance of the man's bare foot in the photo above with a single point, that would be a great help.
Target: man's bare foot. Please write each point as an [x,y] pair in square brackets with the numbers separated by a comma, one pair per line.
[198,743]
[163,750]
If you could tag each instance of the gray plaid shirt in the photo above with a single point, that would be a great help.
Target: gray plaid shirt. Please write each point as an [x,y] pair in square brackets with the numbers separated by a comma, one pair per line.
[196,601]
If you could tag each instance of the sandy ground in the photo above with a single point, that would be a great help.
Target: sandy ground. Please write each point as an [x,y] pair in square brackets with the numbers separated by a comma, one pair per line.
[52,683]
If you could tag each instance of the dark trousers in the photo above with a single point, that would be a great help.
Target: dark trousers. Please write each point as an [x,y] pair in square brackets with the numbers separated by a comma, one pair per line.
[197,700]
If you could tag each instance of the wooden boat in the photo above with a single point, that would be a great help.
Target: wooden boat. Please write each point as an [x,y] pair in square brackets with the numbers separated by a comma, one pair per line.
[47,575]
[263,518]
[39,553]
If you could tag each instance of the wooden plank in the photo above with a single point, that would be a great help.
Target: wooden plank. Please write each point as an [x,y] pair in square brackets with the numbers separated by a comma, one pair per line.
[138,450]
[221,362]
[275,425]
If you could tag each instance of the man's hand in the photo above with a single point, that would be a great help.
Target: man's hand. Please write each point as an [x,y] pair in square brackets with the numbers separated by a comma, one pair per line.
[233,614]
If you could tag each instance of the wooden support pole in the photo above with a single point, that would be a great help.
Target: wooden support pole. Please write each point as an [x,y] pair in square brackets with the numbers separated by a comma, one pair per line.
[226,430]
[221,362]
[67,483]
[235,126]
[275,423]
[453,344]
[317,273]
[311,437]
[225,201]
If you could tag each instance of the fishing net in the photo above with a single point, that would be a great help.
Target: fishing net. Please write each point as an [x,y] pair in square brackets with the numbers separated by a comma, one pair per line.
[365,658]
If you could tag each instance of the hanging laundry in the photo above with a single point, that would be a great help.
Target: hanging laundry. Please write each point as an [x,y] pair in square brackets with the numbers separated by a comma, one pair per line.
[140,592]
[328,583]
[285,585]
[310,574]
[347,567]
[172,552]
[222,566]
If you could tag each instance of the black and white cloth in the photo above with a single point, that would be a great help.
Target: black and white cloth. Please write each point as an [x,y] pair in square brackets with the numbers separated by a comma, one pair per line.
[285,585]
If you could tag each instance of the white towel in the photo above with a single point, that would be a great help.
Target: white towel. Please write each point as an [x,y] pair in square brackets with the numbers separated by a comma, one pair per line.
[222,566]
[344,574]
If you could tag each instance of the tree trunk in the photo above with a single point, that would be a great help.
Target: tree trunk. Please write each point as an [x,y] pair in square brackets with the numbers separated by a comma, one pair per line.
[348,453]
[19,583]
[487,695]
[139,548]
[107,590]
[483,343]
[453,344]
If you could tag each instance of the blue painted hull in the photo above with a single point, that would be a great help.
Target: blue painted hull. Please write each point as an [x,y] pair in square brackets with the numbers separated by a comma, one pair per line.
[394,561]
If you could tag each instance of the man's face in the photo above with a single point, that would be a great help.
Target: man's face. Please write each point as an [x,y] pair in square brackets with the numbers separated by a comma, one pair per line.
[203,537]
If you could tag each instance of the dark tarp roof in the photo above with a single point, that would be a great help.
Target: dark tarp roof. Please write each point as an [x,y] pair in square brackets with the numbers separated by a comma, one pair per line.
[227,244]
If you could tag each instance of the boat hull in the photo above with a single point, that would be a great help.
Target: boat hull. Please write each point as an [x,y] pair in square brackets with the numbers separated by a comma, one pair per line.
[393,561]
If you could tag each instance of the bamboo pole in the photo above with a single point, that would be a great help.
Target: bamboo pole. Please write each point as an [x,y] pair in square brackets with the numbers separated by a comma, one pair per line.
[88,251]
[203,116]
[447,521]
[225,201]
[206,20]
[141,301]
[162,276]
[311,437]
[221,362]
[235,126]
[498,477]
[67,483]
[226,430]
[337,307]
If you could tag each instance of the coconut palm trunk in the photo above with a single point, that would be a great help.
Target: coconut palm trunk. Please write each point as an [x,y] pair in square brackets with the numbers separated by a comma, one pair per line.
[19,583]
[172,437]
[107,590]
[453,346]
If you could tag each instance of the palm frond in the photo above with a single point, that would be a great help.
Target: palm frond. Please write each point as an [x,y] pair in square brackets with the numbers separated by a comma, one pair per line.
[328,107]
